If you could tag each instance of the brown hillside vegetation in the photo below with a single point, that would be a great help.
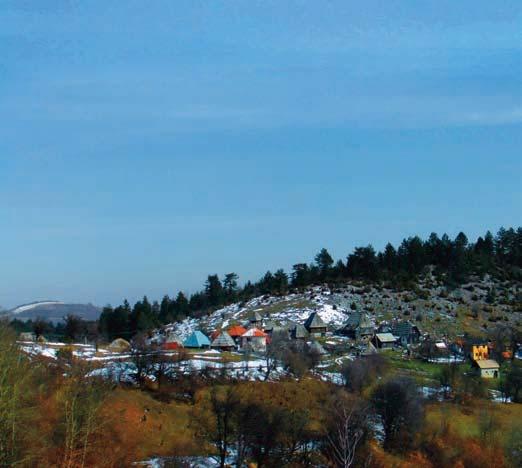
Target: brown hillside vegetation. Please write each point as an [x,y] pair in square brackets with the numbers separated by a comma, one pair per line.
[54,415]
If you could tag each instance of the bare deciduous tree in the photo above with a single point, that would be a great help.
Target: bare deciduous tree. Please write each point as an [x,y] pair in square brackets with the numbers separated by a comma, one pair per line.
[347,433]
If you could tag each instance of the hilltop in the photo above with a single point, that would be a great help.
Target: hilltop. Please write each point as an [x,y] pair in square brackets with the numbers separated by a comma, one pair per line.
[54,311]
[473,308]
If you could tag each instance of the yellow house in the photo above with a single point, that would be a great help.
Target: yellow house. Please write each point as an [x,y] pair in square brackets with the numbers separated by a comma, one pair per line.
[488,368]
[479,352]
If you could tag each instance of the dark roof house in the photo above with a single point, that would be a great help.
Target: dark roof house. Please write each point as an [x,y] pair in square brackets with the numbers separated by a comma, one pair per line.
[406,332]
[315,325]
[357,326]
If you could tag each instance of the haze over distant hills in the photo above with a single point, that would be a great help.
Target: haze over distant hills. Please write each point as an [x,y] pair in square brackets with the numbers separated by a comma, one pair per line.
[54,311]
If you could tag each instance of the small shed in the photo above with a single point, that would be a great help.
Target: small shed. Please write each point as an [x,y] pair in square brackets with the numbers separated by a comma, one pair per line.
[488,368]
[315,325]
[197,340]
[224,342]
[254,339]
[119,345]
[384,340]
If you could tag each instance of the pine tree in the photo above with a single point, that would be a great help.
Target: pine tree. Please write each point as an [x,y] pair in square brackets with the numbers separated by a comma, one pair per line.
[214,291]
[324,262]
[230,286]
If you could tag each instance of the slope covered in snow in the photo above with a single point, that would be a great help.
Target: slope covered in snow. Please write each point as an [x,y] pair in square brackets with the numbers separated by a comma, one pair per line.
[280,309]
[33,305]
[54,311]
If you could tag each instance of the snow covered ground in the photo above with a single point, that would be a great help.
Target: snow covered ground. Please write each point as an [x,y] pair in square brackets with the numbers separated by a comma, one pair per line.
[26,307]
[289,308]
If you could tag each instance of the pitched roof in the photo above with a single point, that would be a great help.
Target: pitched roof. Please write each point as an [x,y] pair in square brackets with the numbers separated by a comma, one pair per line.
[224,340]
[353,320]
[254,332]
[299,331]
[314,321]
[487,364]
[269,325]
[236,330]
[402,328]
[386,337]
[196,340]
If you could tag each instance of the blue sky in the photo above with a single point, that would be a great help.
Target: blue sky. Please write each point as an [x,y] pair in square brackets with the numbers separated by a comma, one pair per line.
[146,144]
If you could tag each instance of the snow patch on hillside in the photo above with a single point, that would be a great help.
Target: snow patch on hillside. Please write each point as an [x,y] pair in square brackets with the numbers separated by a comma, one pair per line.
[284,309]
[26,307]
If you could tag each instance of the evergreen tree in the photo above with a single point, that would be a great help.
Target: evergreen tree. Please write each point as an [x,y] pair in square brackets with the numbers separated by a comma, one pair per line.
[214,291]
[363,263]
[324,262]
[280,282]
[165,312]
[301,275]
[230,286]
[389,259]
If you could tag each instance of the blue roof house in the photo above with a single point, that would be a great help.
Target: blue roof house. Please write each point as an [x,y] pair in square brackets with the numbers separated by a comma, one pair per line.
[197,340]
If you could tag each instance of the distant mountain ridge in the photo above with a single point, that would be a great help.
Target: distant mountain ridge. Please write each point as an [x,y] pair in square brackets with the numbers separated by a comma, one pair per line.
[54,311]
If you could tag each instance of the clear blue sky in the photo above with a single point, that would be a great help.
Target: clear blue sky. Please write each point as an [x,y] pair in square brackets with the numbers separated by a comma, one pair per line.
[146,144]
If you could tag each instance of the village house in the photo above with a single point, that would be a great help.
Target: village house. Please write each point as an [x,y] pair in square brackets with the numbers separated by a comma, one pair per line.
[406,332]
[254,340]
[315,325]
[488,368]
[197,340]
[224,342]
[236,332]
[384,340]
[358,326]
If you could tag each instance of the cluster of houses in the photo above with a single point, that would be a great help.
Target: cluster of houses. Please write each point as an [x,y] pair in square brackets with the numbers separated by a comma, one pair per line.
[256,333]
[253,335]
